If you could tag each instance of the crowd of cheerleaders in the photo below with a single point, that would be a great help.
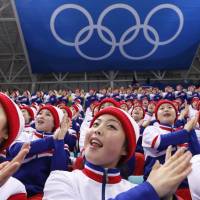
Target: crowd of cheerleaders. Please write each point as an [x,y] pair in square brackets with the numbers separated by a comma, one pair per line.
[68,97]
[152,120]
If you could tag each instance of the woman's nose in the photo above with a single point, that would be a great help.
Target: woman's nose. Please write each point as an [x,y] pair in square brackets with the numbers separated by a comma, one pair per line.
[97,132]
[40,116]
[166,109]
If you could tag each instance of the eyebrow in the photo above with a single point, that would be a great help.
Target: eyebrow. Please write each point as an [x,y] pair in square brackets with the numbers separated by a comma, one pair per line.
[109,120]
[114,120]
[165,105]
[46,111]
[98,119]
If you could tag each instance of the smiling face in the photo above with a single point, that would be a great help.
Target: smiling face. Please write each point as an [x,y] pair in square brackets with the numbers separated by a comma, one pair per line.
[26,116]
[44,121]
[166,114]
[137,113]
[3,125]
[105,143]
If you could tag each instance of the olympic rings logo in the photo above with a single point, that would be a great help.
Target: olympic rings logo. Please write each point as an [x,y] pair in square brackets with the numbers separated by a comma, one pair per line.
[123,41]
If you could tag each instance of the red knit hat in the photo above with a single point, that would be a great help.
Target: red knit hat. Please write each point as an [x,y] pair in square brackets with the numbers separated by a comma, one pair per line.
[163,102]
[129,125]
[57,114]
[15,119]
[30,110]
[109,100]
[67,109]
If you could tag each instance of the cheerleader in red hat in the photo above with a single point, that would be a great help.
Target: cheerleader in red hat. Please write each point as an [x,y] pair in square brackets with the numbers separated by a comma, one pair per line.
[111,141]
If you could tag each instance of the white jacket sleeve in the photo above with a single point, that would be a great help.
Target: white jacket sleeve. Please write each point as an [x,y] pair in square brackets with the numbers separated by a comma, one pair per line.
[151,137]
[194,178]
[11,187]
[59,186]
[23,137]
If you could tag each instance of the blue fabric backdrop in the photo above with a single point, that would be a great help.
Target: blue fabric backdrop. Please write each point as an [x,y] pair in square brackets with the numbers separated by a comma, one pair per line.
[80,35]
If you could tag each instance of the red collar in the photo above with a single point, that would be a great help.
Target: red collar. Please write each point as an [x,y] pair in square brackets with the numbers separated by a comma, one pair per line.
[43,134]
[167,128]
[97,173]
[27,125]
[40,135]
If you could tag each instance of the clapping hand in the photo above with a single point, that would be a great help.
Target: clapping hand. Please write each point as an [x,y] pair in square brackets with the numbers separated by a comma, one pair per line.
[61,132]
[192,123]
[7,169]
[167,177]
[184,112]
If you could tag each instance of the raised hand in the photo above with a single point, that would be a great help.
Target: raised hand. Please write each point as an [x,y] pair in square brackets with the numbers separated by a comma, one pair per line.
[184,112]
[192,123]
[166,178]
[61,132]
[7,169]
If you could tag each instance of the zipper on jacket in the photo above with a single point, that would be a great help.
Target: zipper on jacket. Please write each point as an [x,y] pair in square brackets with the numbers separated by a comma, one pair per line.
[105,180]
